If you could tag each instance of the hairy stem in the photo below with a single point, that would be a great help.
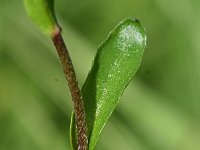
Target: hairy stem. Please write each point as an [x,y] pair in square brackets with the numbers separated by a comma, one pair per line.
[74,89]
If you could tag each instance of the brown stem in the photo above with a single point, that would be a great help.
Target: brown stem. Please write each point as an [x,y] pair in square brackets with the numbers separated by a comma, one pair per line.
[74,89]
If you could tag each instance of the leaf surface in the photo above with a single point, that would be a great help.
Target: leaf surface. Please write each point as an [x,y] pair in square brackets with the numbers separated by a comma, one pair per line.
[115,64]
[42,14]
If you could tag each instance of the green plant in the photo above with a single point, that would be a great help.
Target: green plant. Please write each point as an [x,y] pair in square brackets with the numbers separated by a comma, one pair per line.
[116,62]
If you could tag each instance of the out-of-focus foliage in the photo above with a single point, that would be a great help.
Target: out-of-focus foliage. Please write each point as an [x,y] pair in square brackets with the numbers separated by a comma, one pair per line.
[160,109]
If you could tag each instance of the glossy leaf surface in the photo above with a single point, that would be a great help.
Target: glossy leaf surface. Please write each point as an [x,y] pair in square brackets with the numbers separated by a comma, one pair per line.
[115,64]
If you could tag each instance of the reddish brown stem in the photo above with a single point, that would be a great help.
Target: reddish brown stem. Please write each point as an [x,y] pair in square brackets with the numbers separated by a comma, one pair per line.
[74,89]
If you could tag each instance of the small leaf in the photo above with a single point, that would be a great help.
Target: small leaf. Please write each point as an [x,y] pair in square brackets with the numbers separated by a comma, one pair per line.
[73,133]
[115,64]
[42,14]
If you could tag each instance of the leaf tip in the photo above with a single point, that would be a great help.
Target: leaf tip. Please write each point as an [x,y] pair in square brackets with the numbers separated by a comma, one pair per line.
[42,14]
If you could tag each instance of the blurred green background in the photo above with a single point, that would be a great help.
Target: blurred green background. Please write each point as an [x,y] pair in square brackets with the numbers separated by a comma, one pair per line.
[160,109]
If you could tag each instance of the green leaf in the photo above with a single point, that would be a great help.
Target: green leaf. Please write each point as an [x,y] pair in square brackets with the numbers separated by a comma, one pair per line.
[42,14]
[115,64]
[73,133]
